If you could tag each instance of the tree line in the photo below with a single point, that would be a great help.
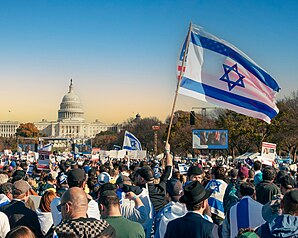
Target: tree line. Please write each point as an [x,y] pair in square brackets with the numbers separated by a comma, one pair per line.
[246,134]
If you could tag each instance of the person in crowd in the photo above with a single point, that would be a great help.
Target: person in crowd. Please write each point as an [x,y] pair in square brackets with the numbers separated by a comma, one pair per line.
[75,178]
[193,224]
[104,176]
[284,225]
[230,190]
[131,205]
[153,195]
[16,211]
[280,174]
[3,178]
[73,206]
[51,181]
[287,183]
[247,213]
[174,209]
[20,232]
[194,173]
[92,183]
[247,233]
[258,173]
[5,194]
[62,185]
[110,212]
[44,211]
[232,193]
[251,176]
[266,189]
[218,187]
[4,224]
[157,192]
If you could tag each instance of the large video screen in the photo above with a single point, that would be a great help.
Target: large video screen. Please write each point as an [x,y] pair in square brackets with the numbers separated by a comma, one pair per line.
[210,139]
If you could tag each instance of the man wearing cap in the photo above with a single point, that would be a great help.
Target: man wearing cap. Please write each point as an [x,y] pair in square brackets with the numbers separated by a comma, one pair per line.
[285,225]
[16,211]
[172,210]
[75,178]
[247,213]
[193,224]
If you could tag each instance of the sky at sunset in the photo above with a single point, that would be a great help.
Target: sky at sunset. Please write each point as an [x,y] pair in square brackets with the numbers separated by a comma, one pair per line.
[122,55]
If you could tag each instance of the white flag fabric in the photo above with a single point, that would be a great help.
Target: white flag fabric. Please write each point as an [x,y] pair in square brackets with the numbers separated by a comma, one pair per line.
[131,142]
[47,147]
[217,72]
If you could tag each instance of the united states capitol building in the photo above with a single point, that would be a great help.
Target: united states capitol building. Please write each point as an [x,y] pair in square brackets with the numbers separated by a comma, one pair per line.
[70,123]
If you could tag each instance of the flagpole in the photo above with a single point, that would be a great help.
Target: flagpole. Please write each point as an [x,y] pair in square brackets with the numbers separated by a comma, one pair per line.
[178,83]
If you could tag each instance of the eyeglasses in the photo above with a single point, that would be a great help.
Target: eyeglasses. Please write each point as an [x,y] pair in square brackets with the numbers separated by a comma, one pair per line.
[60,205]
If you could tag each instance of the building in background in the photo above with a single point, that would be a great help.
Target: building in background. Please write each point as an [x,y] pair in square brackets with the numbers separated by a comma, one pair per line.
[8,128]
[70,123]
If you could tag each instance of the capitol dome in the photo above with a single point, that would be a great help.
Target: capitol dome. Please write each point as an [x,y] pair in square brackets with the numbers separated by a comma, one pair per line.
[71,107]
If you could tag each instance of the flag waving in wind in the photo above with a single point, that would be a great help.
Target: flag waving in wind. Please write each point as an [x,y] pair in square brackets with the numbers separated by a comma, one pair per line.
[217,72]
[131,142]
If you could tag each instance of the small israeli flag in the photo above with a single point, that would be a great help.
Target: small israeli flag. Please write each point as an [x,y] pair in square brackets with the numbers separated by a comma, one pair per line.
[131,142]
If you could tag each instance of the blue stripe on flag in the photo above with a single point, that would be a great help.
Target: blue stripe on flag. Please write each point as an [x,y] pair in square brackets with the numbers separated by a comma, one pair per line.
[228,97]
[129,148]
[223,49]
[218,205]
[243,214]
[4,203]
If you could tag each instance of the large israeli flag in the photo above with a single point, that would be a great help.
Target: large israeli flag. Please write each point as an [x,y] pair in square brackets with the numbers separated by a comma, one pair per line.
[131,142]
[217,72]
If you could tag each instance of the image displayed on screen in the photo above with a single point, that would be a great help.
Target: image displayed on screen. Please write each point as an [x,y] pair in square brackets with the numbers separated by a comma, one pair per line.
[84,149]
[210,139]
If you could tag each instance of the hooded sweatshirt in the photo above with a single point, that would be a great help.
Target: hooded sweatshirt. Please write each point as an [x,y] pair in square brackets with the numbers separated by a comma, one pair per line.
[282,226]
[45,220]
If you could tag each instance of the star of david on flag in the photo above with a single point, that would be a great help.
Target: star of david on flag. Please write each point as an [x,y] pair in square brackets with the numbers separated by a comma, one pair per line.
[130,142]
[214,185]
[227,77]
[217,72]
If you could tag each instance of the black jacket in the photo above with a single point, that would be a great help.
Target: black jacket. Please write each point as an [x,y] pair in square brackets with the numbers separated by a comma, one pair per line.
[19,215]
[191,225]
[265,191]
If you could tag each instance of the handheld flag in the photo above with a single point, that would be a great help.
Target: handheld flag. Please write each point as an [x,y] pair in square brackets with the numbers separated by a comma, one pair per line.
[213,70]
[47,147]
[131,142]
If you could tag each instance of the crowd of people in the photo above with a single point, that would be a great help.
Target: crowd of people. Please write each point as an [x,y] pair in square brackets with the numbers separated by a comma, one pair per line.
[127,198]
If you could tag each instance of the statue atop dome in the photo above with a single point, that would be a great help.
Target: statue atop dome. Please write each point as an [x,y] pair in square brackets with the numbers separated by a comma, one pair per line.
[70,86]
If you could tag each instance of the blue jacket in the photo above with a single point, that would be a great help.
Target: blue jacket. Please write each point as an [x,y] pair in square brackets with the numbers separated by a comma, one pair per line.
[281,226]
